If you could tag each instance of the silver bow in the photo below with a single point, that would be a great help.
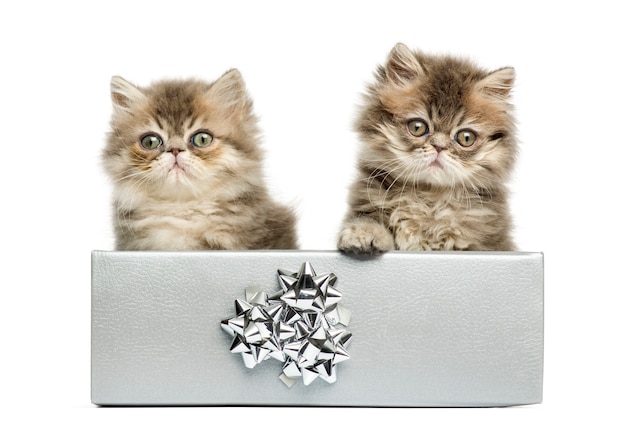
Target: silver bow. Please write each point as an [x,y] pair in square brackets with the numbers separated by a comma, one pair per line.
[299,325]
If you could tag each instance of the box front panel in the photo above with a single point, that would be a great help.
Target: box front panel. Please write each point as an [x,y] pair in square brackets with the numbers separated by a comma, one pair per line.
[429,329]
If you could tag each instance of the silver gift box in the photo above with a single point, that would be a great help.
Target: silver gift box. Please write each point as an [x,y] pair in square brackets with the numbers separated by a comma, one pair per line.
[429,329]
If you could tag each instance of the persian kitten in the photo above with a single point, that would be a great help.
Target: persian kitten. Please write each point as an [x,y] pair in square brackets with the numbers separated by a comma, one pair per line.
[186,165]
[437,146]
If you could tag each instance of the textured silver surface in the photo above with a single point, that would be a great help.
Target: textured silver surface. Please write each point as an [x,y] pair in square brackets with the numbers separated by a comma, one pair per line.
[430,329]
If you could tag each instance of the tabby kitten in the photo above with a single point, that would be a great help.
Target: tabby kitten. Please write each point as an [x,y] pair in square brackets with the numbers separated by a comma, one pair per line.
[438,145]
[185,160]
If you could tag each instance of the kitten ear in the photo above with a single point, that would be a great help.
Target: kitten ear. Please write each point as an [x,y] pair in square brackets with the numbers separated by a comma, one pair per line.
[498,84]
[402,65]
[123,93]
[230,90]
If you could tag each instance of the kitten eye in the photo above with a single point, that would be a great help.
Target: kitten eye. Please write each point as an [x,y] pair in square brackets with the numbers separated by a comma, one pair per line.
[417,127]
[151,141]
[201,139]
[465,137]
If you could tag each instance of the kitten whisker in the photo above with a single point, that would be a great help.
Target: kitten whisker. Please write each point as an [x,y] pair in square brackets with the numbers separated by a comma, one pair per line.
[378,171]
[404,169]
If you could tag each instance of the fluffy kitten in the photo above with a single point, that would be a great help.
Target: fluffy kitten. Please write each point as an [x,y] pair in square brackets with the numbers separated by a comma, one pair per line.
[438,145]
[185,160]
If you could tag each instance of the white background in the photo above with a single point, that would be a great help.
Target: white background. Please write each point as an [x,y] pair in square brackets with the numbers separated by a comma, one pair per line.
[305,65]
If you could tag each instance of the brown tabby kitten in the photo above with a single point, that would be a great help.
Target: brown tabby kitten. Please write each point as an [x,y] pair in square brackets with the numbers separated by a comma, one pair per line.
[438,145]
[185,159]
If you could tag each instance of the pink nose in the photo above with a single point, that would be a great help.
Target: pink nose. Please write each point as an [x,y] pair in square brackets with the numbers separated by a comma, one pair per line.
[175,151]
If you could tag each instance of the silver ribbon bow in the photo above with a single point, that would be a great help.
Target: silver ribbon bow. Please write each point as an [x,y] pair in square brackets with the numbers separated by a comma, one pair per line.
[300,325]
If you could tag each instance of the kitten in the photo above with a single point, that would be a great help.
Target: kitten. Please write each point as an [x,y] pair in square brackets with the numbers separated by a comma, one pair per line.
[185,160]
[438,145]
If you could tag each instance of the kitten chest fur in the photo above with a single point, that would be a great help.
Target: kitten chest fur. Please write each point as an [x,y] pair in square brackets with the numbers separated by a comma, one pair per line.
[189,225]
[441,221]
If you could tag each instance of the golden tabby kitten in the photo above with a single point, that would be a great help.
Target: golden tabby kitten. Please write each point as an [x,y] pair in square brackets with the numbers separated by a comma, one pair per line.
[438,145]
[185,160]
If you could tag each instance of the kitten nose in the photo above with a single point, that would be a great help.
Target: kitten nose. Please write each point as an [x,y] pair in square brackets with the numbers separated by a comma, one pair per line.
[438,143]
[175,151]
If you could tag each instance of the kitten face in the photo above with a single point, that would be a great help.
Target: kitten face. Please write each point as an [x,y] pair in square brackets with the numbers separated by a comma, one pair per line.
[181,139]
[439,121]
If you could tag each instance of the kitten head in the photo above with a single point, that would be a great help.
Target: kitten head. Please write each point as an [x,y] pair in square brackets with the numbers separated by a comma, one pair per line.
[438,120]
[179,139]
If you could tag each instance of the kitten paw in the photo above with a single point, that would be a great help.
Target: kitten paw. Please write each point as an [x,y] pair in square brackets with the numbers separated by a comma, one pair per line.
[365,238]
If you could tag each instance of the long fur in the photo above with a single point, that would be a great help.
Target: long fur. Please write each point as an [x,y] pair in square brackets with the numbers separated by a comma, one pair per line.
[429,192]
[183,197]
